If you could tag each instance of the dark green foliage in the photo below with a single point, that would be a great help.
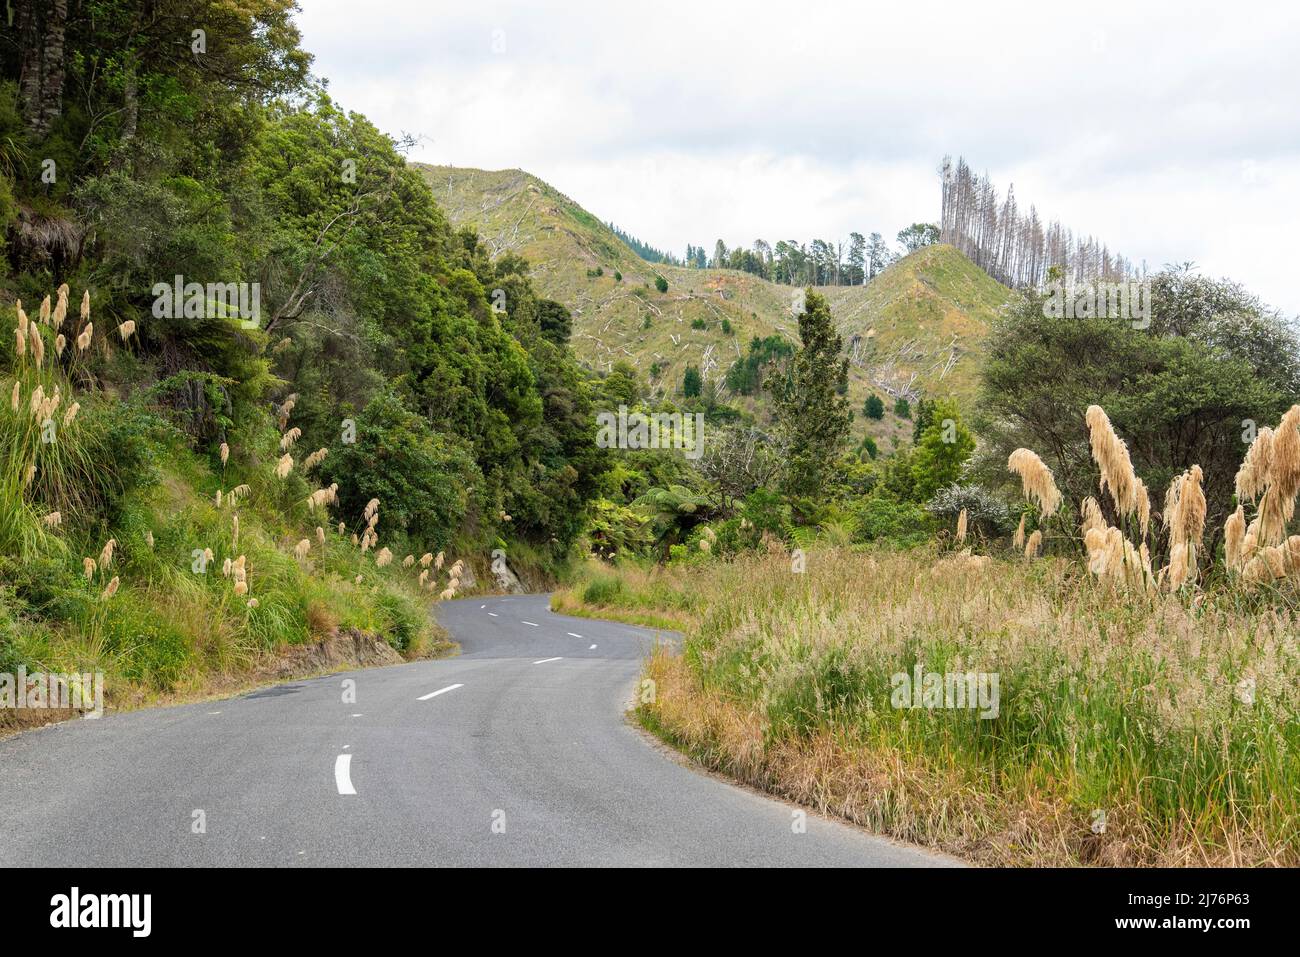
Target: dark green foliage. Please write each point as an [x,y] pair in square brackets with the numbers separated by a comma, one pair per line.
[924,415]
[902,408]
[1180,392]
[661,283]
[811,409]
[691,382]
[874,407]
[943,450]
[644,250]
[745,377]
[555,320]
[881,518]
[428,483]
[620,386]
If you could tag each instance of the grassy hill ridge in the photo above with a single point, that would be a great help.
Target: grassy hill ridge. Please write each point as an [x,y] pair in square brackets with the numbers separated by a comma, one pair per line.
[915,330]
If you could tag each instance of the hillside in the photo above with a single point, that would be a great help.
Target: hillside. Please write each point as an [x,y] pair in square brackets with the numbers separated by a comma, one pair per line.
[915,330]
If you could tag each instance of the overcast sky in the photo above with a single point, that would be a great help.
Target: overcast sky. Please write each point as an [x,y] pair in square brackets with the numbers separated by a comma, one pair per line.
[1169,130]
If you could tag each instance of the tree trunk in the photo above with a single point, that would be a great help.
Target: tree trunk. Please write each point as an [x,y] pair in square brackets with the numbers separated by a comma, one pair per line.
[52,67]
[29,70]
[41,28]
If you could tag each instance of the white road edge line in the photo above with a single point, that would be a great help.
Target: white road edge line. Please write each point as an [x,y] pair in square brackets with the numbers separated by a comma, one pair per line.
[545,660]
[492,613]
[573,634]
[533,623]
[434,694]
[343,774]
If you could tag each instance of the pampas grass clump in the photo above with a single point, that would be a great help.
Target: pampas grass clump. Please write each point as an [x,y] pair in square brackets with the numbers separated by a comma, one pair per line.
[1036,479]
[1111,455]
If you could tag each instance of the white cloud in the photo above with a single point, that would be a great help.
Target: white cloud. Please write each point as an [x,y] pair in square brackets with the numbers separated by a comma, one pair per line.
[1165,128]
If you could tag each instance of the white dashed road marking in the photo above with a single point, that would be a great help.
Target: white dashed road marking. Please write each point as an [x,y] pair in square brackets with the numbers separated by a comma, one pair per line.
[343,774]
[434,694]
[573,634]
[545,660]
[533,623]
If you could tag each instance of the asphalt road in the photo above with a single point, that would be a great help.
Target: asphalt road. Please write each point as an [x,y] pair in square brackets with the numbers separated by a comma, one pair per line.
[516,752]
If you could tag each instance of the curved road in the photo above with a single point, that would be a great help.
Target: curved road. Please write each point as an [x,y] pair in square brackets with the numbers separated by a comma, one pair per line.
[516,752]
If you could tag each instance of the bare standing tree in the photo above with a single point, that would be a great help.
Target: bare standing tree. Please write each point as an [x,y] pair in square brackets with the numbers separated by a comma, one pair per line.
[1016,248]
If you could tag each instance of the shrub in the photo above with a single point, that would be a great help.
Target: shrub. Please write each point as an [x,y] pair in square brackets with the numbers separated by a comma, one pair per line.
[422,478]
[984,510]
[691,382]
[766,510]
[880,518]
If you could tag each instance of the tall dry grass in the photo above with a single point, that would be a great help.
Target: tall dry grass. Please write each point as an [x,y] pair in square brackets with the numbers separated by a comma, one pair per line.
[1176,726]
[1256,553]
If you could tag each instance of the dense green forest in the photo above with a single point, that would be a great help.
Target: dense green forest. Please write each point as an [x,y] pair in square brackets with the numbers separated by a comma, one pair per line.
[154,149]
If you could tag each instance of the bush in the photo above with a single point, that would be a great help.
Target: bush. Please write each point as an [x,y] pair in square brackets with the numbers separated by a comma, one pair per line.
[691,382]
[880,518]
[661,283]
[984,510]
[422,478]
[767,511]
[735,535]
